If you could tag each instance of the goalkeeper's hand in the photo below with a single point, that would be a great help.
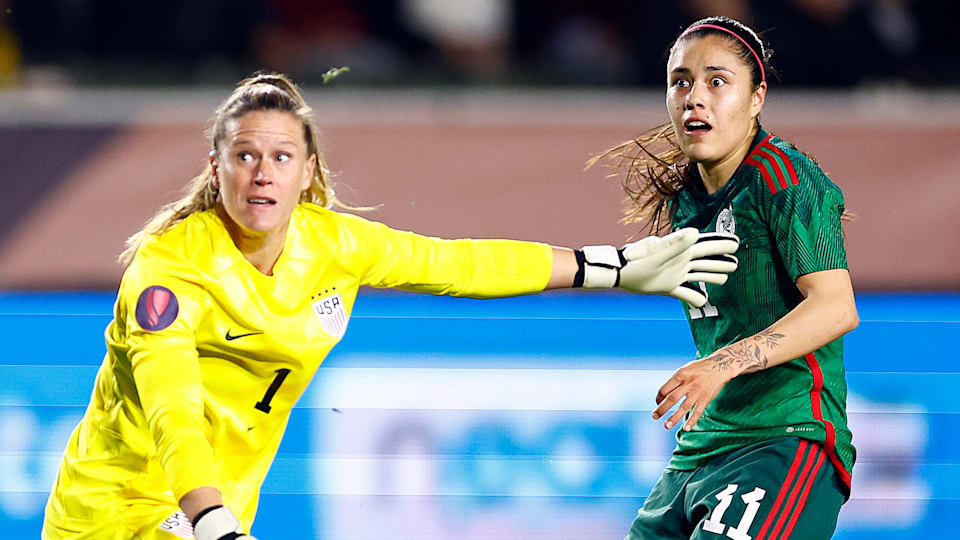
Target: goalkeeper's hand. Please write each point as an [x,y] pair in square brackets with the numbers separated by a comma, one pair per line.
[218,523]
[665,265]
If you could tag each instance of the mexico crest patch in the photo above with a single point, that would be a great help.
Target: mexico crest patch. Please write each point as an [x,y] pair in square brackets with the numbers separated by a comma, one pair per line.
[725,221]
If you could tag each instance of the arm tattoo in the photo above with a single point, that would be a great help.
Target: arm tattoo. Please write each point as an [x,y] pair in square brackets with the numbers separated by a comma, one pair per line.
[747,354]
[769,338]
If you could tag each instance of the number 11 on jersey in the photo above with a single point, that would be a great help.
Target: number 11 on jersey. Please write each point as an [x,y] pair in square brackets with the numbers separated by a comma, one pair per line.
[708,309]
[714,523]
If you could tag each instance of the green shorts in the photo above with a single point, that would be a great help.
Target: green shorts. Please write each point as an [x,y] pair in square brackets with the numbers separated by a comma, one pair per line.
[773,490]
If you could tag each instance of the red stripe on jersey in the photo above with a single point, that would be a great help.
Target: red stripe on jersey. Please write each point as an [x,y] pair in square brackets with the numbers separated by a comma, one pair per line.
[763,172]
[775,165]
[784,488]
[803,498]
[810,459]
[763,142]
[831,435]
[794,179]
[752,159]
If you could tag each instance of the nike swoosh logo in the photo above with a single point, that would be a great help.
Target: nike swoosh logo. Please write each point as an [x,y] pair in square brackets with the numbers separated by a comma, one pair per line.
[238,336]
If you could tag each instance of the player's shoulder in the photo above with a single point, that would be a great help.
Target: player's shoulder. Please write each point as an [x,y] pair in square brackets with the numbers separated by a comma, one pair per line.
[317,219]
[808,170]
[195,235]
[190,249]
[317,229]
[781,167]
[311,214]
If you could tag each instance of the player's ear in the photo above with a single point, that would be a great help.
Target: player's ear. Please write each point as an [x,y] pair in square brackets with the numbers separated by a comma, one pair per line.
[757,99]
[213,167]
[309,169]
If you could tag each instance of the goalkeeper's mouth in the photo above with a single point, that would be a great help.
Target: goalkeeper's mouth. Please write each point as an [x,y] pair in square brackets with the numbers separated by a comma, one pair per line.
[261,201]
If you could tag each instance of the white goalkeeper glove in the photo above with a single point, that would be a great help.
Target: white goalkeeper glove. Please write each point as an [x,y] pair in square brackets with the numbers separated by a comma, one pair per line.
[218,523]
[657,265]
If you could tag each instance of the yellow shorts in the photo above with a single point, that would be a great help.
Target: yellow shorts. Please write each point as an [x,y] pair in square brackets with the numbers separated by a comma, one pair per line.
[142,523]
[100,499]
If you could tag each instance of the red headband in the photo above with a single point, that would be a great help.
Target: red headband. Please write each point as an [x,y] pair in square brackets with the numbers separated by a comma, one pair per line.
[763,77]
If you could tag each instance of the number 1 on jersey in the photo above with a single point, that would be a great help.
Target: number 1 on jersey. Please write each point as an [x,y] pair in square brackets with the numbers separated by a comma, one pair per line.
[264,404]
[708,309]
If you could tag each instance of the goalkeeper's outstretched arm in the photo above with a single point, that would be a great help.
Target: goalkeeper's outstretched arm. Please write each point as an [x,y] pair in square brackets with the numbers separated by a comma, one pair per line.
[652,265]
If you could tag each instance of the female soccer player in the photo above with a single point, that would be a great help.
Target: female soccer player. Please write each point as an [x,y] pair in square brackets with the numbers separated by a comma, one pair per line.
[764,451]
[235,294]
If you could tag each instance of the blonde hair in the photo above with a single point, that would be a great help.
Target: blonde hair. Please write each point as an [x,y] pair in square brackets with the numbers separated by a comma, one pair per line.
[262,91]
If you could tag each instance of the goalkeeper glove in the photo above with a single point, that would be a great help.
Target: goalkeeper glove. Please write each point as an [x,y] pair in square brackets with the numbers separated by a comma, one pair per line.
[218,523]
[657,265]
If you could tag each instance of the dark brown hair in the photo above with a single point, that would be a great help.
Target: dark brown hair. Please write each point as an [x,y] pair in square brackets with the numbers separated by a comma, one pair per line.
[651,166]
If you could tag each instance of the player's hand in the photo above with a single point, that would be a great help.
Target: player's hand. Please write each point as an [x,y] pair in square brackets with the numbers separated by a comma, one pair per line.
[670,264]
[693,386]
[218,523]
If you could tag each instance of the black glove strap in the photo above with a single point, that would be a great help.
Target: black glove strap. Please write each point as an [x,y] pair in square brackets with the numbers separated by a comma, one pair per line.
[204,512]
[581,264]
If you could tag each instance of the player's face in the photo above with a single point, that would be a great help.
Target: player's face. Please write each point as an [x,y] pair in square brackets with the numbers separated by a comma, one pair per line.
[262,168]
[711,99]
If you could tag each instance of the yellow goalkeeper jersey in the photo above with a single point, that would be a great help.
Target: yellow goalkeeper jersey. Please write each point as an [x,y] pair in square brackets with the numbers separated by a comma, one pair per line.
[206,356]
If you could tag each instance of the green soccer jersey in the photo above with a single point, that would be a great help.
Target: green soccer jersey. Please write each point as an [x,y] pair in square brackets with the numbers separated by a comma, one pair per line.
[786,212]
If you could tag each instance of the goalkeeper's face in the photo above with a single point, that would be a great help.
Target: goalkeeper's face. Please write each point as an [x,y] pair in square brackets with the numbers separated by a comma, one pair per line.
[711,99]
[262,168]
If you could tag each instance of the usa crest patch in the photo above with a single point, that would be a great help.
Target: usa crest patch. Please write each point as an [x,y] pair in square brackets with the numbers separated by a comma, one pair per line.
[178,525]
[332,314]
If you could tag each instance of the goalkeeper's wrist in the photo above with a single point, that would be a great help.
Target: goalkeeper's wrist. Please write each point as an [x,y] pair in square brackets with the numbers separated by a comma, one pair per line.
[598,267]
[216,523]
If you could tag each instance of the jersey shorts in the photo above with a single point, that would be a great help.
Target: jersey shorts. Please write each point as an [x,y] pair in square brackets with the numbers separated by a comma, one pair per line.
[139,522]
[776,489]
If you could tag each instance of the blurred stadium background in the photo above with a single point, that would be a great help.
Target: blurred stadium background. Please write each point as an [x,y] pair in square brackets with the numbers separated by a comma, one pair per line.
[450,418]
